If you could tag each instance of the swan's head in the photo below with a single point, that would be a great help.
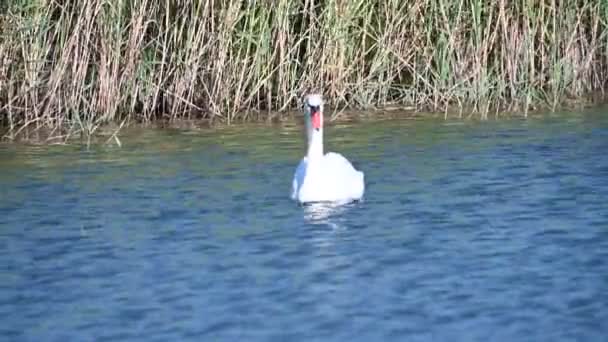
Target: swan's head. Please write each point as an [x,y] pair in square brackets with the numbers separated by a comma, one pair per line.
[313,110]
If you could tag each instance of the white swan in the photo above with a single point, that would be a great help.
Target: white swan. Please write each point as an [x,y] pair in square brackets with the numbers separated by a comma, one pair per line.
[319,177]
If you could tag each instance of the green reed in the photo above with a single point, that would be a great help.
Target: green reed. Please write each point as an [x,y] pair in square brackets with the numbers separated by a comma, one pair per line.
[73,66]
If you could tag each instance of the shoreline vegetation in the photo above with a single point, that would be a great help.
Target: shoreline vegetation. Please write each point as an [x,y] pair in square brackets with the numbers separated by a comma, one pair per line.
[71,67]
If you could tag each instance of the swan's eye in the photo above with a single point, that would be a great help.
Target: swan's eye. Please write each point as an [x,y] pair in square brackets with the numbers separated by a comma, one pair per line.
[313,109]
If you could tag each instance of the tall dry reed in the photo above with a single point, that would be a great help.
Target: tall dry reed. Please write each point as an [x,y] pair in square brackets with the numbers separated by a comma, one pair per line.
[75,65]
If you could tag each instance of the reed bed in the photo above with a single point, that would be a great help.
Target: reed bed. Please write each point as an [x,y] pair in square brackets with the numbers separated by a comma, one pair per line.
[73,66]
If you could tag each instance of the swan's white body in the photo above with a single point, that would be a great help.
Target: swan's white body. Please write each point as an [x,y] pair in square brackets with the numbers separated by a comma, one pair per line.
[324,177]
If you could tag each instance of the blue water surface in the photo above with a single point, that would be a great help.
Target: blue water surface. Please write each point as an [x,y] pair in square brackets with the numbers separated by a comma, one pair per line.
[469,231]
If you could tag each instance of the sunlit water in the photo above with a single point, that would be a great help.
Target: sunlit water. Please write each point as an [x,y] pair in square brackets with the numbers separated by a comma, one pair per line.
[469,231]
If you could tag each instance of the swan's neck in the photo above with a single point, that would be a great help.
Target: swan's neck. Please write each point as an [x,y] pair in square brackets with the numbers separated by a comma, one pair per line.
[315,144]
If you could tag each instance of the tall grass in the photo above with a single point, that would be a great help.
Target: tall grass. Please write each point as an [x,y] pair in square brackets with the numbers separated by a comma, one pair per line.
[75,65]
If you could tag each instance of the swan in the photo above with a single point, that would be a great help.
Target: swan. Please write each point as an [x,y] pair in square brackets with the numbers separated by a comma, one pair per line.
[323,177]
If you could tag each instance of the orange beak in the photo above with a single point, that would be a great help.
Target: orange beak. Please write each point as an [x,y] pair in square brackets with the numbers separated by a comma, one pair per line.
[316,120]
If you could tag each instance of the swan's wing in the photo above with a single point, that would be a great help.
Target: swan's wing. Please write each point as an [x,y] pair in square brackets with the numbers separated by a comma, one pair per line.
[336,161]
[298,178]
[349,181]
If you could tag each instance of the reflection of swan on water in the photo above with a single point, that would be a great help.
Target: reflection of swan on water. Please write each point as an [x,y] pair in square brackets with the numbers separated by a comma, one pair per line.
[329,265]
[325,213]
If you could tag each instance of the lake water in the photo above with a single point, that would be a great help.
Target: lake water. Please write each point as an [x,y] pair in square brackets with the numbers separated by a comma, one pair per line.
[469,231]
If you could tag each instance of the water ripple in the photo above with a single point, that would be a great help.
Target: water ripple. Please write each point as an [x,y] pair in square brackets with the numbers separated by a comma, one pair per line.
[468,231]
